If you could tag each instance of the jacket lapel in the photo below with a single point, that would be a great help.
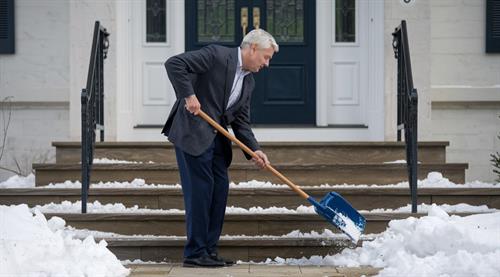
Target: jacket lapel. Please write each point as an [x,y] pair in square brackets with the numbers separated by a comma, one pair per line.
[232,61]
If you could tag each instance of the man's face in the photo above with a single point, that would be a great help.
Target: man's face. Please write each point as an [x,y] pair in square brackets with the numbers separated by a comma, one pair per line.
[258,58]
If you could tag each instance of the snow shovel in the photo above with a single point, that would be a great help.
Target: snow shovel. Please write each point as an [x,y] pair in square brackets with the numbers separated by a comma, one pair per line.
[332,207]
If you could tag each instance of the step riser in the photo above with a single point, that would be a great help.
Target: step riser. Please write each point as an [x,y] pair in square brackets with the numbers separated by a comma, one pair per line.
[174,254]
[231,227]
[360,201]
[307,177]
[291,155]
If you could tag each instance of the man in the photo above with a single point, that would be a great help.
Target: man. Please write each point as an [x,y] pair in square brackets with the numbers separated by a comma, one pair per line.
[218,80]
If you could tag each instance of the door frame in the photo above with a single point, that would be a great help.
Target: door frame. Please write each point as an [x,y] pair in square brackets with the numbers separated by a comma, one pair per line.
[375,113]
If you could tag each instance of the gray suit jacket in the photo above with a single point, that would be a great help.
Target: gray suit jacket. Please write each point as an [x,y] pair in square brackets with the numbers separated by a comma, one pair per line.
[209,73]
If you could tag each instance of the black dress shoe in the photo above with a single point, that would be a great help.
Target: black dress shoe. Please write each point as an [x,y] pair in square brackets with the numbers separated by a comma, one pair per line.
[218,258]
[203,261]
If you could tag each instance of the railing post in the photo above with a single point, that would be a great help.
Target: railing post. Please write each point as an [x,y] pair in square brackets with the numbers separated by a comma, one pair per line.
[407,113]
[92,101]
[85,166]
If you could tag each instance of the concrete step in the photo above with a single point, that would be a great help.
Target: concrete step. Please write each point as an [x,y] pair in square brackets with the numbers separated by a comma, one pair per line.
[310,174]
[251,224]
[250,270]
[278,152]
[363,198]
[255,249]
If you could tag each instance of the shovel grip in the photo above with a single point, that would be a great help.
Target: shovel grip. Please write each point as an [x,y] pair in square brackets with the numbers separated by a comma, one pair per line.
[249,151]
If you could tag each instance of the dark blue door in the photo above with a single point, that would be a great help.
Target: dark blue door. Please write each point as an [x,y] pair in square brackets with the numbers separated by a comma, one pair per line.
[285,93]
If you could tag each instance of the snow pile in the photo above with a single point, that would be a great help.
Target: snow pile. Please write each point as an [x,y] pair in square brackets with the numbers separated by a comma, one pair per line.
[425,208]
[434,245]
[433,180]
[17,181]
[31,246]
[97,207]
[136,183]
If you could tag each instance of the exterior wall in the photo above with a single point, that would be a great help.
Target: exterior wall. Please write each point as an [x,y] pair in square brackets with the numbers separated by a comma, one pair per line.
[465,85]
[82,15]
[417,16]
[458,83]
[36,78]
[33,127]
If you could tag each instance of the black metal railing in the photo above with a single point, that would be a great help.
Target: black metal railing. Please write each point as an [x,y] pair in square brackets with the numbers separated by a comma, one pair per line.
[93,106]
[407,107]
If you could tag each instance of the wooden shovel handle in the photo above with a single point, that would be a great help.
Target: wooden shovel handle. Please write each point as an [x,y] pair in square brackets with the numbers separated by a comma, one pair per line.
[251,153]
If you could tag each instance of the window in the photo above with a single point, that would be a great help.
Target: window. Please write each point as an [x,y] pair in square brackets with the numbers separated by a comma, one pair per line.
[6,26]
[493,26]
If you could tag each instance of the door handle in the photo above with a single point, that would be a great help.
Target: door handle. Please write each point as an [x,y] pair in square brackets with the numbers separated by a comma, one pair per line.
[256,17]
[244,19]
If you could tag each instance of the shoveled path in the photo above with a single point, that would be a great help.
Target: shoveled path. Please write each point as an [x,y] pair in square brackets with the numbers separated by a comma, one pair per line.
[150,270]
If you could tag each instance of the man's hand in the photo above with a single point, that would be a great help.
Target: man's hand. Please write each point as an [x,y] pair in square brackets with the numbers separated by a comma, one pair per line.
[192,104]
[262,160]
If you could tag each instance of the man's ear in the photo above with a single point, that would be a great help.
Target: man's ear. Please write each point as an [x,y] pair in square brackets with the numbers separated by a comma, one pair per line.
[253,46]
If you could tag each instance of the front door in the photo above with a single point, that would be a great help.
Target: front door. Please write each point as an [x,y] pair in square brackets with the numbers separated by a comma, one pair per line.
[285,93]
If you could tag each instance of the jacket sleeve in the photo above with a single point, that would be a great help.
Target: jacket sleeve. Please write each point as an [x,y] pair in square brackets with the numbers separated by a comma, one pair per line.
[242,130]
[181,67]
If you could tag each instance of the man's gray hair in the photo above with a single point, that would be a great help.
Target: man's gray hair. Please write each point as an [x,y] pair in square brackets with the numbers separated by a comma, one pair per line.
[260,37]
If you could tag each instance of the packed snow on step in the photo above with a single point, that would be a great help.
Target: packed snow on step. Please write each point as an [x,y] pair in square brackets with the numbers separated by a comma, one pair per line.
[114,161]
[97,207]
[398,162]
[33,246]
[433,180]
[434,245]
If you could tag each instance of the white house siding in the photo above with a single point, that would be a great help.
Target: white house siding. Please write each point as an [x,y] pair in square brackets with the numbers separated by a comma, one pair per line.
[465,85]
[417,16]
[36,78]
[82,15]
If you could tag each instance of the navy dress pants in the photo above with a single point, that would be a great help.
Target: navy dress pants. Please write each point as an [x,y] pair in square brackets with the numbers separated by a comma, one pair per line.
[205,186]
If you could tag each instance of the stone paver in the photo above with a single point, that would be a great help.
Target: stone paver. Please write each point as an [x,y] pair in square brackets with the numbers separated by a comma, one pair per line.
[249,270]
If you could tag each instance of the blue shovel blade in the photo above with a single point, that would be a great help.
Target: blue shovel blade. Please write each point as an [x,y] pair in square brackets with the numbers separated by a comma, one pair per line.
[336,210]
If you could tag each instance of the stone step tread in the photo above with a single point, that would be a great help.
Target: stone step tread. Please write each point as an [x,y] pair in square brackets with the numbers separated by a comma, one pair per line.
[249,166]
[141,217]
[383,191]
[150,144]
[236,241]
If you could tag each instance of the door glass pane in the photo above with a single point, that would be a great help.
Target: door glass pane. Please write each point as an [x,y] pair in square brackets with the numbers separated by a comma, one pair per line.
[156,27]
[215,21]
[285,20]
[345,20]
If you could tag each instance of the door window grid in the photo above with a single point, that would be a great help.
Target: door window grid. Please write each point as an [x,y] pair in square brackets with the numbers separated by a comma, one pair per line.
[345,21]
[156,21]
[216,21]
[285,20]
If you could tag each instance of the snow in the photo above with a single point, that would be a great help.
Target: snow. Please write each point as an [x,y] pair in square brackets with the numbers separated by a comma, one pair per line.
[433,180]
[433,245]
[424,208]
[33,246]
[17,181]
[97,207]
[114,161]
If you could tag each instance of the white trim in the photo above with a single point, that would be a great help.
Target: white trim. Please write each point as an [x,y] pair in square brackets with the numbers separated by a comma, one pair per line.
[124,68]
[465,94]
[376,67]
[375,113]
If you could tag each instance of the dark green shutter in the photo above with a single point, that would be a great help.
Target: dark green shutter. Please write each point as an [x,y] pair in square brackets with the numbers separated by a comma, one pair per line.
[6,26]
[493,26]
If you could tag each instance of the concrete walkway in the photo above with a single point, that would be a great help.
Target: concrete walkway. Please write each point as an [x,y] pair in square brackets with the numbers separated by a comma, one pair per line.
[156,270]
